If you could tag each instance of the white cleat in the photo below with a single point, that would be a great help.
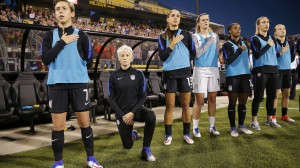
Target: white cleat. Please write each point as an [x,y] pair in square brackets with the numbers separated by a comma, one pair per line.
[196,133]
[168,140]
[213,130]
[188,139]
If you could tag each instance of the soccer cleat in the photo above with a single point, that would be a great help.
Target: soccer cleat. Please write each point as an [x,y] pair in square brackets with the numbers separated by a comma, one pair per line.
[213,130]
[274,124]
[254,125]
[187,138]
[168,140]
[234,132]
[135,135]
[287,118]
[93,163]
[147,154]
[58,164]
[244,129]
[267,122]
[196,133]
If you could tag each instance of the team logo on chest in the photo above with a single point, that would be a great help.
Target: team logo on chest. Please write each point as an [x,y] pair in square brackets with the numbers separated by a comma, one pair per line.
[230,88]
[132,77]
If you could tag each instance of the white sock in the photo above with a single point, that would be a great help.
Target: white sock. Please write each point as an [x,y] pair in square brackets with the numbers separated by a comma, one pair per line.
[211,121]
[195,123]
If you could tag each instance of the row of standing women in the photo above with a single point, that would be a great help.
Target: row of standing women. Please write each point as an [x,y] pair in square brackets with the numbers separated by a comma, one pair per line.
[67,53]
[272,57]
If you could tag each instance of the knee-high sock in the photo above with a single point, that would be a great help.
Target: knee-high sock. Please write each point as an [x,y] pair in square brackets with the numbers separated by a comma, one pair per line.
[231,115]
[242,113]
[88,140]
[58,144]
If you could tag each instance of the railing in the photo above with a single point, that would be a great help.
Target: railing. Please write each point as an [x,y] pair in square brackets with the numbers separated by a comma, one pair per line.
[33,64]
[36,41]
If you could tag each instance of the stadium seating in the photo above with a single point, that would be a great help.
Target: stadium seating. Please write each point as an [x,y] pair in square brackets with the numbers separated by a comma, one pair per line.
[121,3]
[103,93]
[27,98]
[155,90]
[6,106]
[155,8]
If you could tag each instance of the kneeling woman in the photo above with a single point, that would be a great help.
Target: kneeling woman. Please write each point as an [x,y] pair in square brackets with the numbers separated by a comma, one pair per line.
[127,94]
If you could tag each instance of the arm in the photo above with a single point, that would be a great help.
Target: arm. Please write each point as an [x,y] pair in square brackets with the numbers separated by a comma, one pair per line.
[298,47]
[112,99]
[217,43]
[229,54]
[292,50]
[199,47]
[87,49]
[49,54]
[142,93]
[164,52]
[191,47]
[255,46]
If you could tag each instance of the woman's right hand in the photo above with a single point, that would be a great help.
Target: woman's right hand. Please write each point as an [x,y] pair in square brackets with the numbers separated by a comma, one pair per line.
[271,42]
[175,40]
[243,47]
[69,38]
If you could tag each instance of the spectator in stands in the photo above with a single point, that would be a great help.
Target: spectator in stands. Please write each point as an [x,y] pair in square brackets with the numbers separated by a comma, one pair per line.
[285,55]
[206,75]
[107,55]
[67,53]
[265,71]
[96,49]
[150,52]
[3,5]
[137,52]
[176,50]
[127,95]
[3,16]
[236,57]
[145,49]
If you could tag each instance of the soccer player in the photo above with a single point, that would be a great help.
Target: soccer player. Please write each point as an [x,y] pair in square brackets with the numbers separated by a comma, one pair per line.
[265,71]
[176,50]
[236,56]
[285,53]
[66,51]
[206,75]
[127,94]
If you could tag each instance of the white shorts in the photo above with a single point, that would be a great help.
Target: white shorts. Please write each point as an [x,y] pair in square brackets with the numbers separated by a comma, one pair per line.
[206,84]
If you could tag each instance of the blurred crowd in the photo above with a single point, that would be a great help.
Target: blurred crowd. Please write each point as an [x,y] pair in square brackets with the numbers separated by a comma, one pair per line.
[46,17]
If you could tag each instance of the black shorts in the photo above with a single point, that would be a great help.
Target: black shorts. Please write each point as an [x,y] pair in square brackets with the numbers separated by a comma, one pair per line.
[60,99]
[172,85]
[238,84]
[284,81]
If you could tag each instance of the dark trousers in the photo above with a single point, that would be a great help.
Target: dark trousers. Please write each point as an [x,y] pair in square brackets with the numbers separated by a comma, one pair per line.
[144,115]
[294,83]
[261,82]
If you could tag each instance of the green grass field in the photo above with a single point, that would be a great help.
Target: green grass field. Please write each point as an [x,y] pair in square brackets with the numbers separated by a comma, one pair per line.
[270,147]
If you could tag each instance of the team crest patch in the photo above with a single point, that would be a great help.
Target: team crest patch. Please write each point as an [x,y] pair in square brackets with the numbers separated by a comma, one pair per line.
[132,77]
[50,103]
[258,74]
[230,87]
